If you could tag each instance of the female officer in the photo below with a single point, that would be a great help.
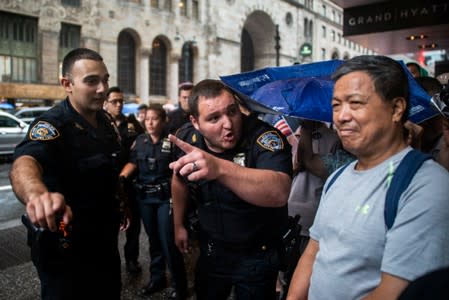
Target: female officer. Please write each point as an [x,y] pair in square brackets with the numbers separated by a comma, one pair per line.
[150,156]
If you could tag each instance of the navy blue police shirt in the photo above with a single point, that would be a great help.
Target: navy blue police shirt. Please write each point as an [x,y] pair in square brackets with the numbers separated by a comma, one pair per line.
[79,161]
[223,216]
[152,161]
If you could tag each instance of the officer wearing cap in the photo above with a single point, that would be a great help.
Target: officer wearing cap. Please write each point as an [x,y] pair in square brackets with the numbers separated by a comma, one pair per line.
[150,156]
[239,168]
[67,168]
[180,116]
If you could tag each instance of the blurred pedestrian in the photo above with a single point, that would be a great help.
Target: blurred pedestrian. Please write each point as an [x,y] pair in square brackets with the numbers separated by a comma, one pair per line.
[66,173]
[180,115]
[128,133]
[150,158]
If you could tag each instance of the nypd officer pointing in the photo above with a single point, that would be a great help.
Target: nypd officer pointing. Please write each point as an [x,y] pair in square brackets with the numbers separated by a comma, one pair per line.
[66,173]
[239,170]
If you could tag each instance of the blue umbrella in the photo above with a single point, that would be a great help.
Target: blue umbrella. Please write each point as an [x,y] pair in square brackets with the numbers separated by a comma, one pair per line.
[130,108]
[306,91]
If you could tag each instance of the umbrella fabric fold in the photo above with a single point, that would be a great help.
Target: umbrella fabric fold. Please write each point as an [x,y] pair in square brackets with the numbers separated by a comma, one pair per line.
[305,91]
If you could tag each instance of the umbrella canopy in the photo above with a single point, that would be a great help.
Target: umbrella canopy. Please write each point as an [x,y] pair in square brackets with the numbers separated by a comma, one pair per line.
[305,91]
[130,108]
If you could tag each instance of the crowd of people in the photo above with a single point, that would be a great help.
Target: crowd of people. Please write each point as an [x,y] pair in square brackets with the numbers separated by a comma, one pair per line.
[85,171]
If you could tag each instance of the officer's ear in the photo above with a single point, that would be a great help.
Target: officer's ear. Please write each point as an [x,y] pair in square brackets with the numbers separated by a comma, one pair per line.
[66,83]
[194,122]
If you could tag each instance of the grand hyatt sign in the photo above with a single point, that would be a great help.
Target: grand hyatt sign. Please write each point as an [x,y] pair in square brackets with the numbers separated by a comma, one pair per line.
[394,15]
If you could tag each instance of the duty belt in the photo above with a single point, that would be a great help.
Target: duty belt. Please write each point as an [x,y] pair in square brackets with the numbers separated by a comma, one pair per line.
[153,189]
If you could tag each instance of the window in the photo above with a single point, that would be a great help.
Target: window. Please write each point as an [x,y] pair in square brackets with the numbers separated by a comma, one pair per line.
[323,10]
[158,68]
[76,3]
[333,35]
[167,5]
[323,31]
[339,38]
[195,10]
[323,53]
[246,52]
[310,28]
[183,7]
[126,62]
[18,48]
[306,27]
[186,63]
[69,39]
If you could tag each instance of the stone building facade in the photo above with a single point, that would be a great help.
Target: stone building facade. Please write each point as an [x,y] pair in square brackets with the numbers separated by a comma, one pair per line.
[149,46]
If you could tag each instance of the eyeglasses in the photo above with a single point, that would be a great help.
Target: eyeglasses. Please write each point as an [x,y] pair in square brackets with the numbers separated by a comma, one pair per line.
[116,101]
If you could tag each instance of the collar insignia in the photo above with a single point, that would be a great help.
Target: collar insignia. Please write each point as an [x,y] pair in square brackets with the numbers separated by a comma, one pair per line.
[270,140]
[43,131]
[239,159]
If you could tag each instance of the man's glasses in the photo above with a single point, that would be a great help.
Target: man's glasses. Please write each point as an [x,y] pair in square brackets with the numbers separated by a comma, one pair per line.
[116,101]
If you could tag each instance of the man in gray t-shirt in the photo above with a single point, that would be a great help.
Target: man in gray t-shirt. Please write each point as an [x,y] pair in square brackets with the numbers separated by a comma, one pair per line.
[351,254]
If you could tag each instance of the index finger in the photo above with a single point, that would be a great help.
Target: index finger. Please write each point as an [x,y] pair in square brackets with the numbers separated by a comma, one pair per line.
[186,147]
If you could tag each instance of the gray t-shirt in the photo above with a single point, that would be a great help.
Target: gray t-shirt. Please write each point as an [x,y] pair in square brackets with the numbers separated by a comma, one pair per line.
[354,245]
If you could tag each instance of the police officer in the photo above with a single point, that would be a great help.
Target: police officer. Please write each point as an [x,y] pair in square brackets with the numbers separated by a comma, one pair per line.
[66,173]
[150,157]
[180,116]
[239,169]
[128,132]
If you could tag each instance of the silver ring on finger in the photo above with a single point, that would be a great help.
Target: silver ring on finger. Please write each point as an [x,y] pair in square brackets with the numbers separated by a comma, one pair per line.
[194,167]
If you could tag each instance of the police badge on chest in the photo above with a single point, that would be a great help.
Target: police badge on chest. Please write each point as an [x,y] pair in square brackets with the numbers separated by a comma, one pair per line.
[166,145]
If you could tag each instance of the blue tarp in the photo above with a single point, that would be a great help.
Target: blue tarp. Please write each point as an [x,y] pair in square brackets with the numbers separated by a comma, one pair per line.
[305,91]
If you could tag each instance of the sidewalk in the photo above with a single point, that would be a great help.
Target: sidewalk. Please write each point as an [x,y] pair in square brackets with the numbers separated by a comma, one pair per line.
[18,277]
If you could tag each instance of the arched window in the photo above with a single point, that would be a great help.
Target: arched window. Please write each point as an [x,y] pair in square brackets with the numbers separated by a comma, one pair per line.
[246,52]
[186,63]
[335,55]
[126,62]
[158,68]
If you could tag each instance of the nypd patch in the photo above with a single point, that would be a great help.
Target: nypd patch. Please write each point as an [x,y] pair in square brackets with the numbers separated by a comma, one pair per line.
[43,131]
[270,140]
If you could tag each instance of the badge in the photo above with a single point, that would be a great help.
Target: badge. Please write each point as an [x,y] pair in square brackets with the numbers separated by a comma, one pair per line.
[270,140]
[43,131]
[239,159]
[166,145]
[194,138]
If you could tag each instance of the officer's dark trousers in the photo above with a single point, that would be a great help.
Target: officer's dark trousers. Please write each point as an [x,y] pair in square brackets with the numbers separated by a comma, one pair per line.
[253,274]
[158,225]
[131,248]
[90,270]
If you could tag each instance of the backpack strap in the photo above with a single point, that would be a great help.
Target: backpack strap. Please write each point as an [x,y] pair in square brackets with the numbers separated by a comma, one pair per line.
[336,175]
[402,177]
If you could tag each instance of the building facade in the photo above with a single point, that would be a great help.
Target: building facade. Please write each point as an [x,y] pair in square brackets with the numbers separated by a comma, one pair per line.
[149,46]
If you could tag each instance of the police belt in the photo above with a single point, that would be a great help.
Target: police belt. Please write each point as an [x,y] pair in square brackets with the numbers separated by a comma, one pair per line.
[157,189]
[213,245]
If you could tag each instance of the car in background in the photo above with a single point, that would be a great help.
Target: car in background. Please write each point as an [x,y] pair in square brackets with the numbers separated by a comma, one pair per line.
[12,131]
[28,114]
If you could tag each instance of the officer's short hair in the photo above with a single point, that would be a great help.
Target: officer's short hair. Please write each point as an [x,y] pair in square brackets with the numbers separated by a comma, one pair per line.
[209,88]
[113,89]
[185,86]
[159,109]
[78,54]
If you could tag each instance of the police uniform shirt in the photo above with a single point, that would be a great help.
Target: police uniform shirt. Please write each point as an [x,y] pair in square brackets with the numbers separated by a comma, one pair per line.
[79,161]
[152,161]
[176,119]
[224,216]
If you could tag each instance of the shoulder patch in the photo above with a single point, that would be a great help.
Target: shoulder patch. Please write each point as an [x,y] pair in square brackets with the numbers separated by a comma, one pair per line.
[43,131]
[270,140]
